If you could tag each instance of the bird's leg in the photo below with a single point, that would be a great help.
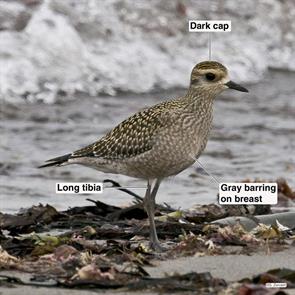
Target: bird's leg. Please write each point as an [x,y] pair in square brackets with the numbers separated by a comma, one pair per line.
[154,191]
[149,208]
[149,204]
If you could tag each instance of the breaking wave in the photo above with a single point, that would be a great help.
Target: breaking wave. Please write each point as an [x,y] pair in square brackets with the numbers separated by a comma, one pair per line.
[52,49]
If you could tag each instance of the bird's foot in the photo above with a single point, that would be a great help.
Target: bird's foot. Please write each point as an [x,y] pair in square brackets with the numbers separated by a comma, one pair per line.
[157,247]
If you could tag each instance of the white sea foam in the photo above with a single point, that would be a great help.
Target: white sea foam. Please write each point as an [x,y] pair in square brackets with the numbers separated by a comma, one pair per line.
[104,46]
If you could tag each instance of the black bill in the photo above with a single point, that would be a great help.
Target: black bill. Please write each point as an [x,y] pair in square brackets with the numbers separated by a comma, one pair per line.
[233,85]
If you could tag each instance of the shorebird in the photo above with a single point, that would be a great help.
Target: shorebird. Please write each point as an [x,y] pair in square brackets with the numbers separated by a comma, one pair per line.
[160,141]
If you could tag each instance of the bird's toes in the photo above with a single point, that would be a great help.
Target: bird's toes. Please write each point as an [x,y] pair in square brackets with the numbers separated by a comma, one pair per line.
[157,247]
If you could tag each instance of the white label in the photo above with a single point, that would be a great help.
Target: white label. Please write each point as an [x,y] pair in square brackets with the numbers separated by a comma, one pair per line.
[240,193]
[209,26]
[276,285]
[78,188]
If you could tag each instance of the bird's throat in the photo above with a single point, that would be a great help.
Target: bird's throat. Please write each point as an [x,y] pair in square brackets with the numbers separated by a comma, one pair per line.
[200,102]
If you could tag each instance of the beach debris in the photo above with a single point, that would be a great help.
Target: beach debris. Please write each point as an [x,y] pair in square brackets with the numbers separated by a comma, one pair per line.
[212,212]
[274,231]
[252,289]
[104,246]
[233,235]
[28,220]
[284,278]
[176,215]
[6,260]
[286,196]
[91,272]
[205,213]
[285,189]
[282,275]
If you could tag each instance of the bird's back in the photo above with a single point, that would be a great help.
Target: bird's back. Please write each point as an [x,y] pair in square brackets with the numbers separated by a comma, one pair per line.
[133,136]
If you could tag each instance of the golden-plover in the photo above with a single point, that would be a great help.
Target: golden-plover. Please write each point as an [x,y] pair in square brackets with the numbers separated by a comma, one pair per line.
[160,141]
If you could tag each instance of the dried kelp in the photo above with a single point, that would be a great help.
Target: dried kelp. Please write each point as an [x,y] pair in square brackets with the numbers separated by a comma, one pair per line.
[104,246]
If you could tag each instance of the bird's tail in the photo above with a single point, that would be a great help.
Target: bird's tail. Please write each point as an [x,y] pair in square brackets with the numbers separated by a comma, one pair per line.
[56,161]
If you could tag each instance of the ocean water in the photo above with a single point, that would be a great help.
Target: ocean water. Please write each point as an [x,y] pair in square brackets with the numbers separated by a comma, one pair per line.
[53,47]
[253,137]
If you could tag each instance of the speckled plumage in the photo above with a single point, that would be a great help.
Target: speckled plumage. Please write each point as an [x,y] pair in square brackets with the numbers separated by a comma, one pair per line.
[159,141]
[132,137]
[156,142]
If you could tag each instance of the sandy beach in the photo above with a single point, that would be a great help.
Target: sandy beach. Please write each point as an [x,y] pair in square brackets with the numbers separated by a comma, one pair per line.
[241,266]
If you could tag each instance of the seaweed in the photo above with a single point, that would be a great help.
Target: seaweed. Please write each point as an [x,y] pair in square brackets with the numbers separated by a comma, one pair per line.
[106,247]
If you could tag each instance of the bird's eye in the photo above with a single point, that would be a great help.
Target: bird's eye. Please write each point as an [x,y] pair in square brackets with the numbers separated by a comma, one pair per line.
[210,76]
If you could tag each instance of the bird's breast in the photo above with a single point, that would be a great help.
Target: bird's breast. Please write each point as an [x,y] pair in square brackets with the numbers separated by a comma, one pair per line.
[174,149]
[178,146]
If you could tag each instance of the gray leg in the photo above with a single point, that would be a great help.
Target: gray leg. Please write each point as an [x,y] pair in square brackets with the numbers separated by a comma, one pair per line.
[149,204]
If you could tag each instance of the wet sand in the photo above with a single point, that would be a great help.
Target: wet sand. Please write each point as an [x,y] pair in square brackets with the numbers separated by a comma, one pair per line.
[241,266]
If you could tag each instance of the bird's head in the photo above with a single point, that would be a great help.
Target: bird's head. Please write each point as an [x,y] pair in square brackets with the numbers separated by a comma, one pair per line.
[212,76]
